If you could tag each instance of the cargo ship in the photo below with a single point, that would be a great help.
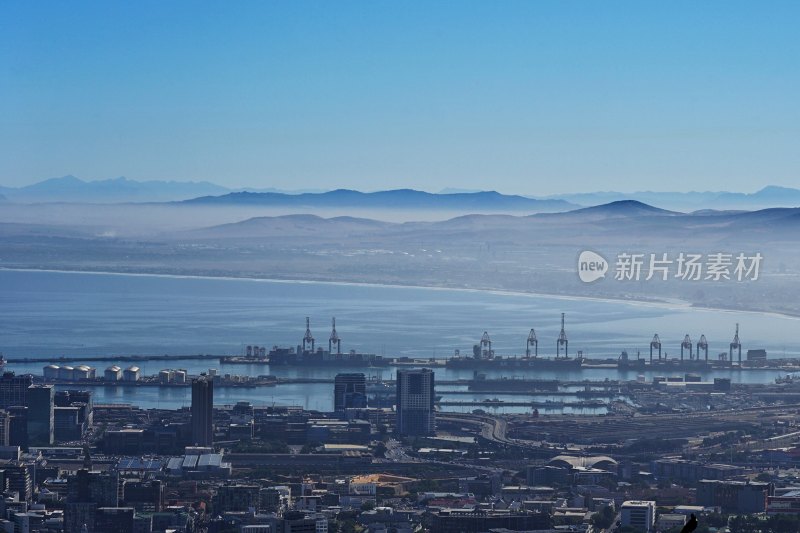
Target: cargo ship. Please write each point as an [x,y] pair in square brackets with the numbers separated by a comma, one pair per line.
[281,356]
[495,363]
[483,356]
[310,355]
[641,364]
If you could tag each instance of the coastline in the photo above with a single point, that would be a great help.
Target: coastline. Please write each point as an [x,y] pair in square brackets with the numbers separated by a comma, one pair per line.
[668,304]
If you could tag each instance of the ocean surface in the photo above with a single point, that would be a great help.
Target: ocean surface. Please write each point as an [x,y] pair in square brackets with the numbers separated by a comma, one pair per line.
[52,314]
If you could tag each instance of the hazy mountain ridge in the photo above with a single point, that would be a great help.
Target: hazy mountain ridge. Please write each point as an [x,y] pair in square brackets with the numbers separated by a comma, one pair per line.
[769,196]
[618,208]
[616,220]
[70,189]
[286,225]
[113,190]
[391,199]
[522,252]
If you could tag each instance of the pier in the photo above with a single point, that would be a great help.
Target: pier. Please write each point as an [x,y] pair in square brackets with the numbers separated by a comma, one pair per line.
[534,404]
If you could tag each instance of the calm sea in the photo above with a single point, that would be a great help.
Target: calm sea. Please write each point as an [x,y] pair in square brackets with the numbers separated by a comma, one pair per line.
[50,314]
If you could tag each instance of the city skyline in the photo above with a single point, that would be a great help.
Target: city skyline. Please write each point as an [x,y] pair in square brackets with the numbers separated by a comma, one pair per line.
[551,246]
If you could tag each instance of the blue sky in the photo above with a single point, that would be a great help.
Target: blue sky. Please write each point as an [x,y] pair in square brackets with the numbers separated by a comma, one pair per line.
[534,97]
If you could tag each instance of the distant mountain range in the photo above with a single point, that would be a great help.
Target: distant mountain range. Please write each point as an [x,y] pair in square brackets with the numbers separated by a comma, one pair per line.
[70,189]
[116,190]
[626,208]
[487,201]
[770,196]
[620,222]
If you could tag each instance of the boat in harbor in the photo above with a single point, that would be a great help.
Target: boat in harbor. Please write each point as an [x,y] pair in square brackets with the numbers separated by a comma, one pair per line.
[499,362]
[308,354]
[321,358]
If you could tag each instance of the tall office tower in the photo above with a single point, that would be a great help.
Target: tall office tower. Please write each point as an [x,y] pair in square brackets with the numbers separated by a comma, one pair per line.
[203,411]
[73,414]
[18,479]
[86,493]
[115,519]
[5,427]
[14,389]
[415,397]
[144,496]
[349,390]
[41,424]
[18,426]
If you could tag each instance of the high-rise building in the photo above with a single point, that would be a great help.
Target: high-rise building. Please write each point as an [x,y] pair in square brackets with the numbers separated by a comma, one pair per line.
[14,389]
[741,497]
[415,398]
[18,479]
[639,515]
[237,498]
[461,520]
[115,519]
[73,414]
[5,427]
[18,426]
[301,522]
[66,424]
[349,390]
[275,499]
[203,411]
[80,398]
[41,423]
[144,496]
[86,493]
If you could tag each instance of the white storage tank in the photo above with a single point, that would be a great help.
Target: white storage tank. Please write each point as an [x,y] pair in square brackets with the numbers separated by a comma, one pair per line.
[82,372]
[51,372]
[66,373]
[113,373]
[131,374]
[180,376]
[165,376]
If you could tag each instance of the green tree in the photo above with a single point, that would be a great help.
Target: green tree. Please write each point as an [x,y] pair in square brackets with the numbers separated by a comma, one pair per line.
[715,520]
[310,447]
[783,523]
[603,518]
[348,527]
[380,450]
[764,476]
[367,506]
[427,485]
[745,524]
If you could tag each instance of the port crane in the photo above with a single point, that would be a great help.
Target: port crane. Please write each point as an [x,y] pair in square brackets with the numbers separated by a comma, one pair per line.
[655,343]
[562,340]
[334,339]
[308,339]
[532,341]
[735,345]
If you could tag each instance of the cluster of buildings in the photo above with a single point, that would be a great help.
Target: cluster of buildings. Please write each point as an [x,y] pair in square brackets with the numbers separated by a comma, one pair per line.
[70,466]
[414,414]
[38,415]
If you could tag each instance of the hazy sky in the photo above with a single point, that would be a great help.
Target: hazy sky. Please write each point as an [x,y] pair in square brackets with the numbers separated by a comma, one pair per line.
[532,97]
